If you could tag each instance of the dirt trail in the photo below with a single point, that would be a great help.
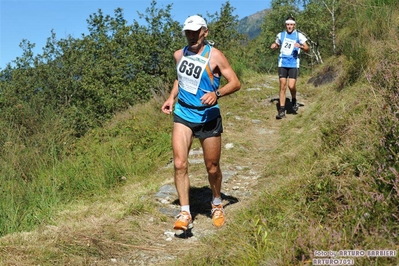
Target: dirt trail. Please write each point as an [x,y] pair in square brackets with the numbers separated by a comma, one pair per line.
[250,134]
[248,143]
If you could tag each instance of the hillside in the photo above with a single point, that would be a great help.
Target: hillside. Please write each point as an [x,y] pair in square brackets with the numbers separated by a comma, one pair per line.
[251,25]
[87,167]
[269,169]
[105,231]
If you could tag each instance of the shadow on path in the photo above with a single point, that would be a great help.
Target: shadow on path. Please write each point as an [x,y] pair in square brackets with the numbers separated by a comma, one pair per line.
[288,105]
[200,201]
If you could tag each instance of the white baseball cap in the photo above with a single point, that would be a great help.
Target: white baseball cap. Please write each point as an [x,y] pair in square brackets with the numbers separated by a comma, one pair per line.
[194,23]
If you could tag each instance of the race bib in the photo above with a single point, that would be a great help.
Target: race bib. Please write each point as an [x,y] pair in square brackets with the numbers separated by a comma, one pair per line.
[287,46]
[189,72]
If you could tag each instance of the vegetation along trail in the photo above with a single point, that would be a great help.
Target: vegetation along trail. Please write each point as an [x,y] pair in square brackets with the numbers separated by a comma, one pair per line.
[86,159]
[279,209]
[105,234]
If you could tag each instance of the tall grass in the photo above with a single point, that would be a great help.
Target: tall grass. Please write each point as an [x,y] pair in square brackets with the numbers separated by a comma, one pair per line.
[338,189]
[324,194]
[45,177]
[383,76]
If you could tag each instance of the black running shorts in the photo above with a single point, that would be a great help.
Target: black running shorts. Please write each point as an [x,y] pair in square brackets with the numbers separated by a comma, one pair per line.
[284,72]
[205,130]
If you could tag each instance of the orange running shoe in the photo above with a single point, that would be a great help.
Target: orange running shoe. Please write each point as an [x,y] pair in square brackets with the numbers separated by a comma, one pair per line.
[183,222]
[217,215]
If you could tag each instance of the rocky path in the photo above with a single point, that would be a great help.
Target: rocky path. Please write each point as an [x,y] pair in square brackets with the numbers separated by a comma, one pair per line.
[247,145]
[142,236]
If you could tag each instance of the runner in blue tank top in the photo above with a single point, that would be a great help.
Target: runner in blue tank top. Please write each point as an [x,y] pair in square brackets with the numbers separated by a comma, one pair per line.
[290,42]
[208,83]
[196,114]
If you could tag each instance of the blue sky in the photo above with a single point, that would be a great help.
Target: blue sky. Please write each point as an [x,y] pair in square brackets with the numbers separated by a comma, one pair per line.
[33,20]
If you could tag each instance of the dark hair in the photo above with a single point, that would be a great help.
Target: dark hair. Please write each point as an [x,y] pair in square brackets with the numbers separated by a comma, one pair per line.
[290,18]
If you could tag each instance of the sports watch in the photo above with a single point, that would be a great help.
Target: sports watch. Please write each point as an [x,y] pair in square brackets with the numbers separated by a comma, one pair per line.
[218,95]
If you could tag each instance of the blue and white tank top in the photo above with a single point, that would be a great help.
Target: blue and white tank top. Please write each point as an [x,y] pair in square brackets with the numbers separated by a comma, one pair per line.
[196,78]
[289,55]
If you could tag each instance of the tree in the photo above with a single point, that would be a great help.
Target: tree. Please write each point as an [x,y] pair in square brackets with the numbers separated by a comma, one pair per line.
[320,29]
[156,42]
[223,29]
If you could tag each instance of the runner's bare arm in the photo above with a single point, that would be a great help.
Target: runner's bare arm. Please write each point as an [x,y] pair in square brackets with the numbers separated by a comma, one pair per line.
[233,83]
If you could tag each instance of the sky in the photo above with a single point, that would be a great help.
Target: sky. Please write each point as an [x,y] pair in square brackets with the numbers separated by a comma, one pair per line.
[33,20]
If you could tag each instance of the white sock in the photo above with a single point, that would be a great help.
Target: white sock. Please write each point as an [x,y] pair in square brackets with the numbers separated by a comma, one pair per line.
[217,201]
[185,208]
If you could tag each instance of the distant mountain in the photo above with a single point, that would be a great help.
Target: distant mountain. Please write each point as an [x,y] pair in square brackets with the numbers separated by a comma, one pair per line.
[251,25]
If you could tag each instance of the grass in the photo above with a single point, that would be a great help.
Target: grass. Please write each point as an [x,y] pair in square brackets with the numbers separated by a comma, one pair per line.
[101,161]
[328,177]
[323,195]
[317,189]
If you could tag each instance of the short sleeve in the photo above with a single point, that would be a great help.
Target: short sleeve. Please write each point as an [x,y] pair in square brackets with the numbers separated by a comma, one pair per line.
[278,38]
[302,38]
